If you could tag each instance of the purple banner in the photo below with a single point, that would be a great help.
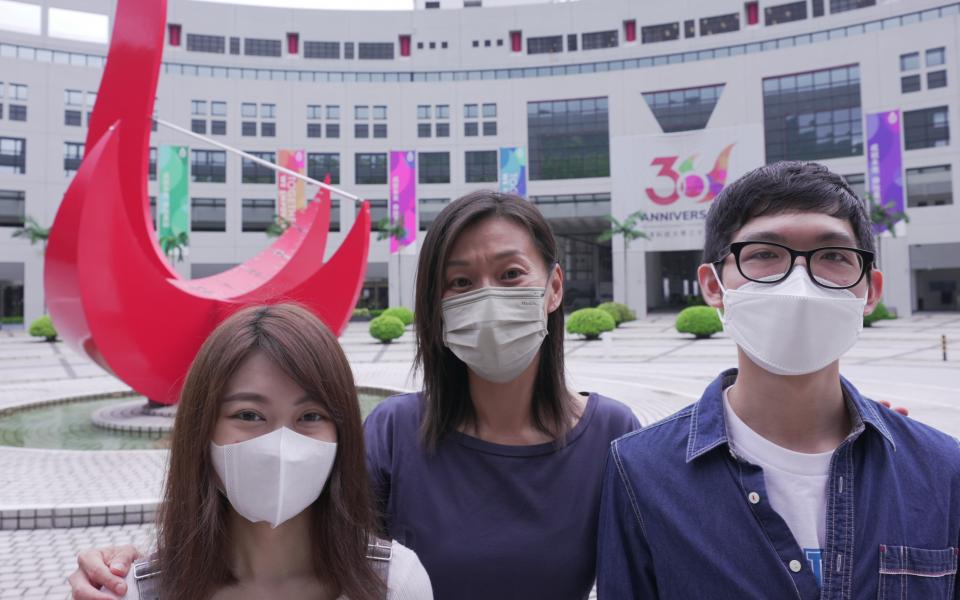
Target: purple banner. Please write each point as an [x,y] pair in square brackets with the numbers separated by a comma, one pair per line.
[885,160]
[403,197]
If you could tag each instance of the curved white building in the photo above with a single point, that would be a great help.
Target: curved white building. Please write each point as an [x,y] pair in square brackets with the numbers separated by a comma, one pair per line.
[619,106]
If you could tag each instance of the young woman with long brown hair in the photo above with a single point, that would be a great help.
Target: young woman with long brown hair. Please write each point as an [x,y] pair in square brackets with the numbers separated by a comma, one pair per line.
[267,494]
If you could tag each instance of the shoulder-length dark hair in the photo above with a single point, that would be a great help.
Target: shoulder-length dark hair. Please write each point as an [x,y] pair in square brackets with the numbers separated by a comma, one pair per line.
[445,389]
[192,520]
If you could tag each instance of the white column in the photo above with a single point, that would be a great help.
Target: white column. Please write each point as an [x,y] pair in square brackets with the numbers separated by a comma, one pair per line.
[895,265]
[402,275]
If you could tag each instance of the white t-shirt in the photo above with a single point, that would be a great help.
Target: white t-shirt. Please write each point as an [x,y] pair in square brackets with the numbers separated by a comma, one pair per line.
[796,484]
[407,579]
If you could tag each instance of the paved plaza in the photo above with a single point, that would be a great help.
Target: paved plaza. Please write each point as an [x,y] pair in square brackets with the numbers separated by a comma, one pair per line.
[54,502]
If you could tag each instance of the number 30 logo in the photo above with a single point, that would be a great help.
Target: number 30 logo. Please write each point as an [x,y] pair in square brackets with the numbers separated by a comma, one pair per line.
[685,181]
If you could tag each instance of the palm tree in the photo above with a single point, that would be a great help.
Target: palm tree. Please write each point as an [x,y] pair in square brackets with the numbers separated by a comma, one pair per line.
[386,231]
[628,230]
[883,219]
[34,232]
[278,226]
[174,244]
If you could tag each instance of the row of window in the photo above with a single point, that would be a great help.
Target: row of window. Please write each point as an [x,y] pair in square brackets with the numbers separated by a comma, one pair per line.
[910,63]
[889,23]
[16,96]
[217,44]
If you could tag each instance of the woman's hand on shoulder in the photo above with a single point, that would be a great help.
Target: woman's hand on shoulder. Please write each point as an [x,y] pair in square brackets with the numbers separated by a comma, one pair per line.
[102,568]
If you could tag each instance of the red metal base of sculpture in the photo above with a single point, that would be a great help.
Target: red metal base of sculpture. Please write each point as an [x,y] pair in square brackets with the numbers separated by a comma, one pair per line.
[111,292]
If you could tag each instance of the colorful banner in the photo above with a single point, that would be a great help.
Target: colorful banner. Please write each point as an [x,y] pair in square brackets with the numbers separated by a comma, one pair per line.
[173,199]
[290,193]
[513,171]
[403,197]
[885,161]
[674,179]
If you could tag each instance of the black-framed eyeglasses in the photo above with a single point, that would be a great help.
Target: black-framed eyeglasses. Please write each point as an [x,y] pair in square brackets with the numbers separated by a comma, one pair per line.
[834,267]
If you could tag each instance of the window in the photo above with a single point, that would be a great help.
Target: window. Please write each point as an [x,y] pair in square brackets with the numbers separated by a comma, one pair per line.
[333,130]
[837,6]
[380,130]
[689,28]
[600,39]
[218,127]
[720,24]
[813,115]
[152,165]
[571,42]
[206,43]
[361,130]
[909,83]
[857,183]
[936,57]
[319,164]
[72,118]
[248,129]
[929,186]
[489,111]
[429,209]
[218,108]
[348,50]
[248,110]
[443,111]
[268,111]
[665,32]
[375,50]
[73,97]
[378,212]
[12,208]
[545,45]
[208,166]
[198,126]
[481,166]
[334,214]
[926,128]
[936,79]
[818,9]
[72,157]
[471,129]
[257,214]
[18,91]
[234,45]
[470,111]
[208,214]
[568,139]
[910,61]
[314,130]
[434,167]
[259,47]
[314,111]
[13,155]
[333,111]
[321,49]
[254,172]
[17,112]
[361,112]
[423,130]
[380,113]
[268,129]
[489,128]
[684,109]
[423,111]
[371,168]
[443,130]
[565,205]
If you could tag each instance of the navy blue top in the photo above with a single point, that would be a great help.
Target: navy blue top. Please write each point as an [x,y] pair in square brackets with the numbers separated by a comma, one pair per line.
[491,521]
[682,517]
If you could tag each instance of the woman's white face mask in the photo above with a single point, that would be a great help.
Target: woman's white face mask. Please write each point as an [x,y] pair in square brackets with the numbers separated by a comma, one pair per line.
[792,327]
[496,331]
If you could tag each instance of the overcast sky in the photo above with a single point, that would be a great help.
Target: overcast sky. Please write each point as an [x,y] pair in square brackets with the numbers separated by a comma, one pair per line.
[328,4]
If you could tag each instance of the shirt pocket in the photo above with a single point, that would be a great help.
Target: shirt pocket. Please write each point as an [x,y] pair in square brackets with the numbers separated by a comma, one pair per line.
[917,573]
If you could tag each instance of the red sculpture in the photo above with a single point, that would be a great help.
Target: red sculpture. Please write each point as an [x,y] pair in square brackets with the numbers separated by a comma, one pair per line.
[111,292]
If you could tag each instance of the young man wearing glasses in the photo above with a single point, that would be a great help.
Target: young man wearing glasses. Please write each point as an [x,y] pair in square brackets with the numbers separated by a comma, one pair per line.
[782,481]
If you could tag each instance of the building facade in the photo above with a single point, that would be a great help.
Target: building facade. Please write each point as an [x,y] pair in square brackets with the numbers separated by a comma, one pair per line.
[619,106]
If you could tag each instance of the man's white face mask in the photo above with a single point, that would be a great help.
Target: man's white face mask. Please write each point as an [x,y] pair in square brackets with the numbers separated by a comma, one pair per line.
[275,476]
[792,327]
[496,331]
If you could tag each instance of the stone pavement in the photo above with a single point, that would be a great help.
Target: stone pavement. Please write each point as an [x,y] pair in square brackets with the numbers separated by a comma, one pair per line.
[53,502]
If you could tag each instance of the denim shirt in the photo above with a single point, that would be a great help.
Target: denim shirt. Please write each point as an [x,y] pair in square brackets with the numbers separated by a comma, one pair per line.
[682,517]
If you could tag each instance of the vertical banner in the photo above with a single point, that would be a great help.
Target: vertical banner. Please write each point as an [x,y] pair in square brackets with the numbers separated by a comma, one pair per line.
[173,200]
[513,171]
[290,193]
[403,197]
[885,160]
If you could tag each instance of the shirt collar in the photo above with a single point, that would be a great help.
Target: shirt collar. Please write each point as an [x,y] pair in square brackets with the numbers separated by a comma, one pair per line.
[708,429]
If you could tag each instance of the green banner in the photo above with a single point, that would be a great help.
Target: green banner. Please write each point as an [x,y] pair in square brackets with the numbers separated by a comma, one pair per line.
[173,200]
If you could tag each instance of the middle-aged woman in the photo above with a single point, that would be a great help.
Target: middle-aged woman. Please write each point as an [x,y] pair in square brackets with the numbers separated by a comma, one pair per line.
[492,473]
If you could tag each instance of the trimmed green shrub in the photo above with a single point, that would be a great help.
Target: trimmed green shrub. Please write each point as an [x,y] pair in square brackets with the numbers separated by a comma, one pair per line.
[880,313]
[611,310]
[590,322]
[401,312]
[43,327]
[18,320]
[376,312]
[361,314]
[620,312]
[701,321]
[386,328]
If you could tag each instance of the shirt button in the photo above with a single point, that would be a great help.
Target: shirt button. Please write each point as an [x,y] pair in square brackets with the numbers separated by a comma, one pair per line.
[795,566]
[753,497]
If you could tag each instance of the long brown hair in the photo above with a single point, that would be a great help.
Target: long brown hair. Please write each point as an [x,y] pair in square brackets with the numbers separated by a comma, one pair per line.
[192,520]
[445,388]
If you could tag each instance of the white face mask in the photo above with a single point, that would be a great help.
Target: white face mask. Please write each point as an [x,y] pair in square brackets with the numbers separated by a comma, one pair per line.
[793,327]
[496,331]
[275,476]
